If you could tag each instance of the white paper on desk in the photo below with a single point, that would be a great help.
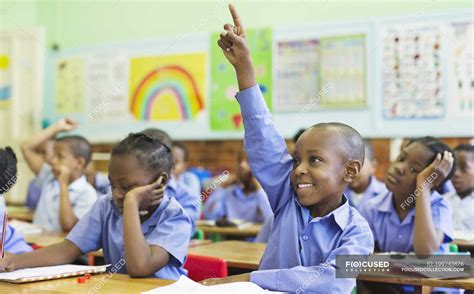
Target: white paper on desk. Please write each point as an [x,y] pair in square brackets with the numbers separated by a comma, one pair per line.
[186,285]
[463,235]
[25,228]
[49,272]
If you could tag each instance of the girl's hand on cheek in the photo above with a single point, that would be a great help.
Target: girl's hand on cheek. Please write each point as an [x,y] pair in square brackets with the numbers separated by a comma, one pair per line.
[436,172]
[146,196]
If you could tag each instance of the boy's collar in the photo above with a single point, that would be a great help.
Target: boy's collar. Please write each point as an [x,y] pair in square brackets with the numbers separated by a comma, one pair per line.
[340,214]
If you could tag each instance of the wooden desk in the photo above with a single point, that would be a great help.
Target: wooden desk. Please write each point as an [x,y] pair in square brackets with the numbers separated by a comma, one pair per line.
[116,283]
[465,245]
[237,254]
[21,213]
[45,239]
[249,231]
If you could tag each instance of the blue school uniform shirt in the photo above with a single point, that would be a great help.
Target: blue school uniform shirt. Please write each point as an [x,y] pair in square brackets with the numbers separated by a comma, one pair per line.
[81,195]
[375,188]
[301,251]
[33,195]
[234,204]
[14,241]
[102,227]
[191,181]
[392,234]
[188,200]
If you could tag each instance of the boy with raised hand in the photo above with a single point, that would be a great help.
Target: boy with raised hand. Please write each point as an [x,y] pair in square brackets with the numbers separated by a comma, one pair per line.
[66,195]
[313,220]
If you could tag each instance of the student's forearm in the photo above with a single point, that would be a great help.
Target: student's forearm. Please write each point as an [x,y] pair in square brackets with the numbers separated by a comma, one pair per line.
[245,76]
[67,218]
[138,254]
[425,239]
[29,148]
[56,254]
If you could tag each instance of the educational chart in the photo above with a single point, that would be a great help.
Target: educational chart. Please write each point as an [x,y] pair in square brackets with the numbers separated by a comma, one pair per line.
[342,71]
[167,88]
[463,62]
[69,86]
[224,110]
[413,81]
[106,87]
[297,74]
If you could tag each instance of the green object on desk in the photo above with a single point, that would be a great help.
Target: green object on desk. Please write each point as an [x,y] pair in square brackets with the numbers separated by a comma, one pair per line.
[453,247]
[199,235]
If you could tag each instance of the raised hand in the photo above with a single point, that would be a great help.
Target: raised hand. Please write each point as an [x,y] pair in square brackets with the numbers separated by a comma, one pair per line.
[437,171]
[66,124]
[233,41]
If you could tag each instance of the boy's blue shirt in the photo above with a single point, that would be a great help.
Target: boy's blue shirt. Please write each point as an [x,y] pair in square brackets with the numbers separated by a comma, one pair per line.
[301,250]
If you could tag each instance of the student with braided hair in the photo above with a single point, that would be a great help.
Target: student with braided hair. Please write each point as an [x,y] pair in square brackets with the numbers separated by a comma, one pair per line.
[14,241]
[142,231]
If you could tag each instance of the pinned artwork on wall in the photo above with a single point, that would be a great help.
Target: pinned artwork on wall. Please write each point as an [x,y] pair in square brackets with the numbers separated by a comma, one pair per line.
[224,110]
[167,88]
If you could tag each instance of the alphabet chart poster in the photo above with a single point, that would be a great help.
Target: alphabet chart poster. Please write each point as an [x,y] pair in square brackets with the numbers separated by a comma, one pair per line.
[413,77]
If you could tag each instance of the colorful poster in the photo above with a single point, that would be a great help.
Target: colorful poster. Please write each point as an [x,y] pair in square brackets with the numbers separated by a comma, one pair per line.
[297,74]
[224,109]
[343,72]
[167,88]
[5,72]
[5,81]
[413,76]
[106,87]
[463,74]
[69,86]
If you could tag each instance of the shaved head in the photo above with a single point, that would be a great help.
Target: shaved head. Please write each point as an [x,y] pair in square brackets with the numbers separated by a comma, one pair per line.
[352,143]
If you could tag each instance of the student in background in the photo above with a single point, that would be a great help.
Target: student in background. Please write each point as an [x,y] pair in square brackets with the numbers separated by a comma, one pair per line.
[313,220]
[462,201]
[445,187]
[14,242]
[365,186]
[180,172]
[97,180]
[65,194]
[412,216]
[187,198]
[244,200]
[134,223]
[34,192]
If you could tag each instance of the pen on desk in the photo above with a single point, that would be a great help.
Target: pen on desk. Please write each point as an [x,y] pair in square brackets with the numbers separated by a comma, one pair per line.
[4,229]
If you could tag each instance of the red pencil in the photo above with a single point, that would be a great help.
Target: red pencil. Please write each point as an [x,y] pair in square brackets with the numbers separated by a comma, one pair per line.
[4,229]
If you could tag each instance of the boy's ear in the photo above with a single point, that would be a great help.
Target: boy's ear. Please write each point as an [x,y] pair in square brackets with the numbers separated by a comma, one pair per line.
[82,162]
[351,170]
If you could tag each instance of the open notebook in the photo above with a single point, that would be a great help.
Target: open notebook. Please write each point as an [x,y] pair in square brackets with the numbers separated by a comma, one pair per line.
[50,273]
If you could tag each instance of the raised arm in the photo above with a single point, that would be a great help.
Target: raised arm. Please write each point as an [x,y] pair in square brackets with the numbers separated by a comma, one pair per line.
[29,148]
[268,156]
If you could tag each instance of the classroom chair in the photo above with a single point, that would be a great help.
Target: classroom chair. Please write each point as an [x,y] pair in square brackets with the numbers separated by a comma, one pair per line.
[204,267]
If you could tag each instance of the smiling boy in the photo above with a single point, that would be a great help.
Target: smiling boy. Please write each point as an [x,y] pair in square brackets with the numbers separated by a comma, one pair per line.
[313,220]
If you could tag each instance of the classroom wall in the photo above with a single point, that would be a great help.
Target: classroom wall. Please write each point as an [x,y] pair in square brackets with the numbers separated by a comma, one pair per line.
[72,23]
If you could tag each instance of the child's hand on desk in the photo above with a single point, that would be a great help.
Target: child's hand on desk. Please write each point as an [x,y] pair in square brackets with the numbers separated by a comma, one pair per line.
[229,279]
[146,196]
[7,263]
[65,124]
[436,172]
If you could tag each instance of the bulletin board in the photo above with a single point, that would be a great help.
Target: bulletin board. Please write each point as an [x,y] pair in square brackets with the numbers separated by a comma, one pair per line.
[386,77]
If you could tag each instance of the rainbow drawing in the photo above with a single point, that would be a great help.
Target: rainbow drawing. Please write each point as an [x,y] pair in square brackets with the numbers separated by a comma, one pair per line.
[171,91]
